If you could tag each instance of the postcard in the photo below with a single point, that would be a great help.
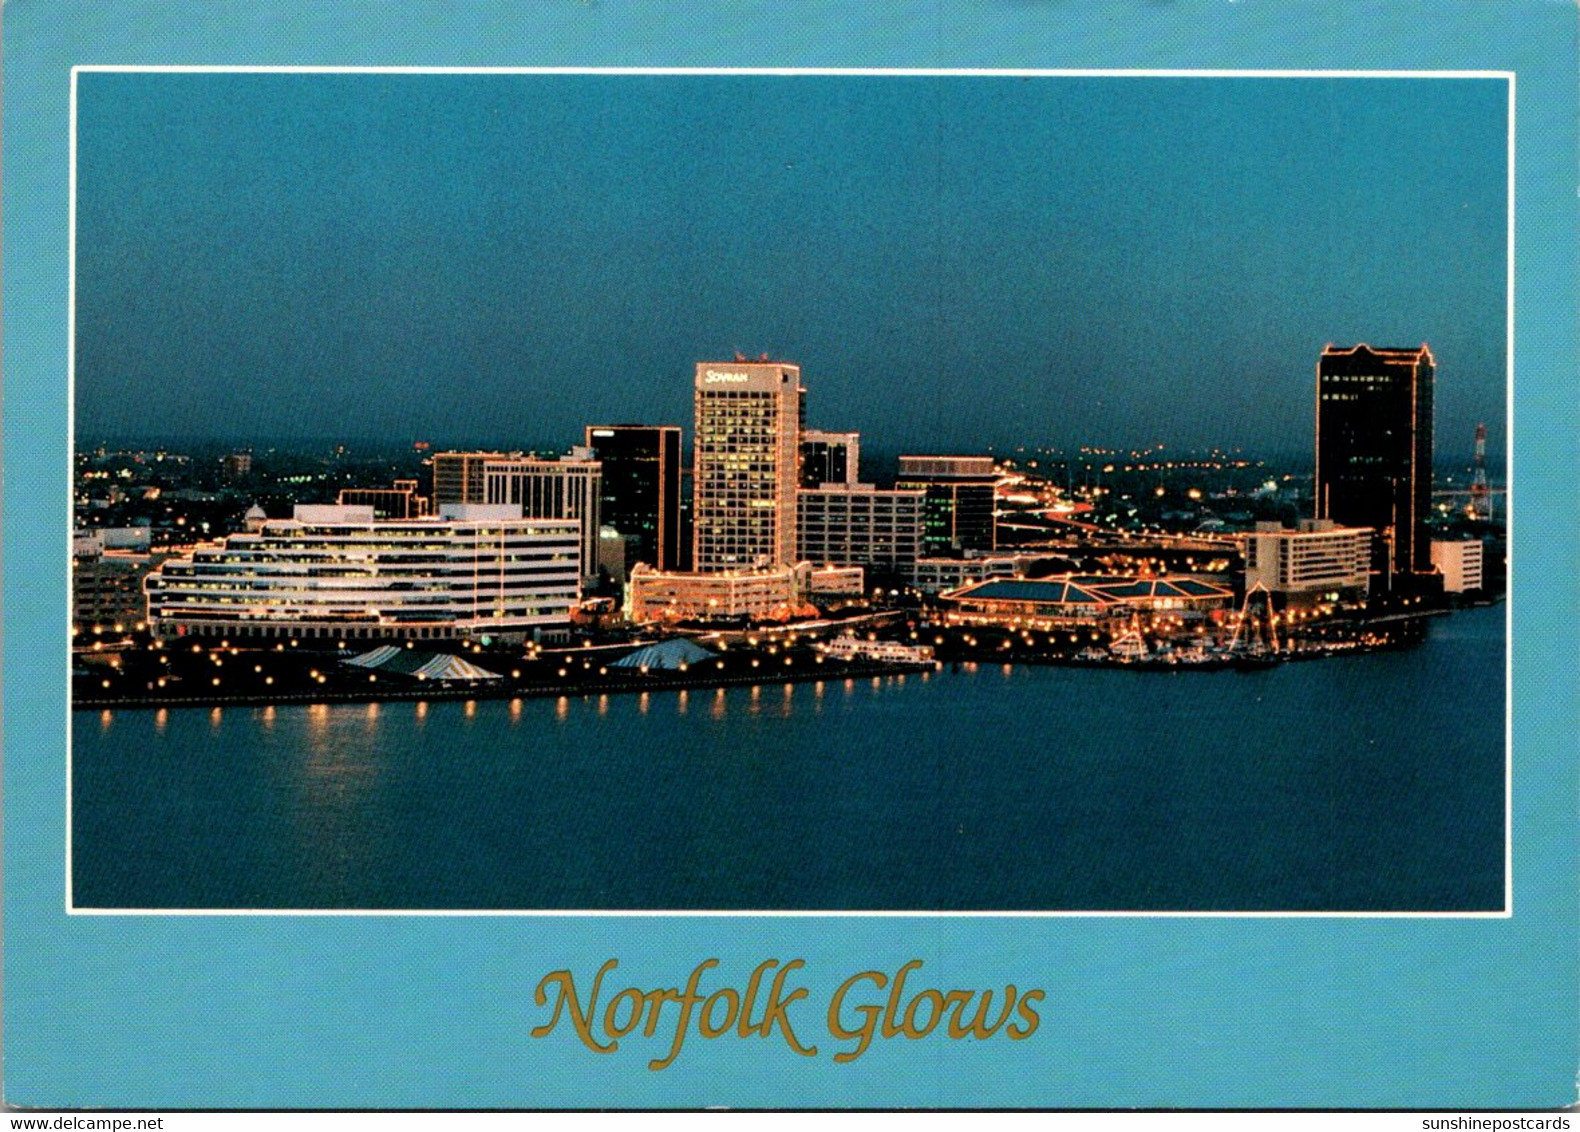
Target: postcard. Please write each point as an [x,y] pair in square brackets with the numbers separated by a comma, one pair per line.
[606,574]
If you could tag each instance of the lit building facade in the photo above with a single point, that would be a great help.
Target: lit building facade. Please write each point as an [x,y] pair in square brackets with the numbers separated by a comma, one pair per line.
[830,457]
[757,595]
[1460,563]
[458,476]
[570,487]
[399,501]
[961,493]
[826,585]
[1080,599]
[1318,561]
[935,575]
[107,583]
[641,489]
[1374,447]
[567,487]
[749,420]
[860,525]
[334,573]
[652,595]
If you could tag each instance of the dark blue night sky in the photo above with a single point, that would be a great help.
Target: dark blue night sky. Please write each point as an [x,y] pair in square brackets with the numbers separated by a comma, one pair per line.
[955,262]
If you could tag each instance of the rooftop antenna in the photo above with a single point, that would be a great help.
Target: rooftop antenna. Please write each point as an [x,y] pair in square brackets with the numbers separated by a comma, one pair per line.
[1480,493]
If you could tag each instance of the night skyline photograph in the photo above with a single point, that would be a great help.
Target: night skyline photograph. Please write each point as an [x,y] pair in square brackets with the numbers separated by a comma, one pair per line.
[775,572]
[956,555]
[956,263]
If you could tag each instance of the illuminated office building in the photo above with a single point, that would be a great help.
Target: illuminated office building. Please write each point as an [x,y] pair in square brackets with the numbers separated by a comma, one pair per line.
[458,476]
[334,573]
[861,525]
[1460,563]
[749,420]
[566,487]
[398,502]
[1319,561]
[961,492]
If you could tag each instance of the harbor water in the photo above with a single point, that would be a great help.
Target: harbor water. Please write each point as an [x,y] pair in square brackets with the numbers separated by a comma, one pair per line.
[1364,783]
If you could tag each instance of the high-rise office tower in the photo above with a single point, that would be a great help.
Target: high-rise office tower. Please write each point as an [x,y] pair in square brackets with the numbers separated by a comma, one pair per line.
[749,420]
[1374,447]
[641,489]
[861,525]
[830,457]
[398,502]
[961,493]
[458,476]
[687,539]
[567,487]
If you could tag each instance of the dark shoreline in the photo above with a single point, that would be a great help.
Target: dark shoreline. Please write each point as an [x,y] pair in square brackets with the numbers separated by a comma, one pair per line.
[416,692]
[831,670]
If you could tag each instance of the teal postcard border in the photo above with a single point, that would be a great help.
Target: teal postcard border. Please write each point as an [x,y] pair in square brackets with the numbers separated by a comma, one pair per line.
[393,1012]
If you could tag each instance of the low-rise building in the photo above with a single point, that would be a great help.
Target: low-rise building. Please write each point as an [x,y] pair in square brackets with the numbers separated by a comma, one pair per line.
[935,575]
[659,595]
[1319,561]
[107,583]
[334,573]
[758,595]
[1460,563]
[1079,598]
[824,585]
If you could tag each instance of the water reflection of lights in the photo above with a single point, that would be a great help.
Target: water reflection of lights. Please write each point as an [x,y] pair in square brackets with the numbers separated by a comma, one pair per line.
[268,718]
[515,710]
[681,701]
[214,717]
[718,708]
[603,704]
[161,720]
[471,709]
[642,702]
[106,717]
[562,707]
[422,710]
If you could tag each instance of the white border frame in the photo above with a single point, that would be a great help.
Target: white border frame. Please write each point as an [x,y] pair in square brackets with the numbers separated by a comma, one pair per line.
[975,72]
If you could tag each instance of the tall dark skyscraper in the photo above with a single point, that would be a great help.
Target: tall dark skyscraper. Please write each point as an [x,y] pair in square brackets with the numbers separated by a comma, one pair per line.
[641,489]
[830,457]
[1374,446]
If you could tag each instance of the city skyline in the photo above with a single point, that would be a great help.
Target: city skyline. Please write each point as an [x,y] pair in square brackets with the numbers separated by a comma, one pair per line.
[1145,259]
